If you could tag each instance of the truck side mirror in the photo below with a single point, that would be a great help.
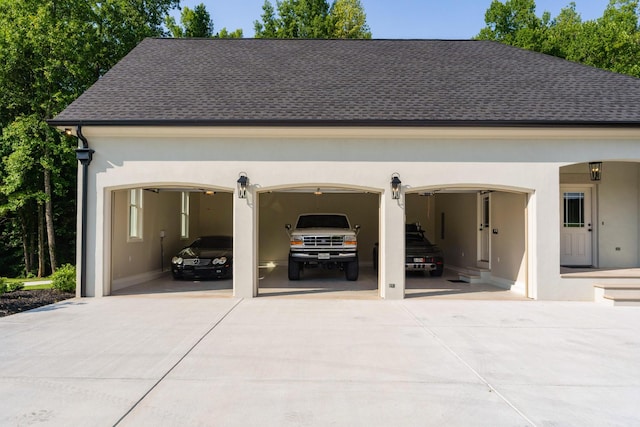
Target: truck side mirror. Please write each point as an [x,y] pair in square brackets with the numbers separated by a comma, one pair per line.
[287,226]
[357,228]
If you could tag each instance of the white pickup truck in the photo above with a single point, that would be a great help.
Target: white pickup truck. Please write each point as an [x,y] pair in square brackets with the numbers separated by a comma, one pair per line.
[321,239]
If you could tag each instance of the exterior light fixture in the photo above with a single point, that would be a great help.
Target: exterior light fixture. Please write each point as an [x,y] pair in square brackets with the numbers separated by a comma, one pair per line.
[318,192]
[396,185]
[242,185]
[595,170]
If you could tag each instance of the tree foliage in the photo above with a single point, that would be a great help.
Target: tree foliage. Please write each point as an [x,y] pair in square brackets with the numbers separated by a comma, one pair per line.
[197,22]
[348,20]
[313,19]
[52,51]
[611,42]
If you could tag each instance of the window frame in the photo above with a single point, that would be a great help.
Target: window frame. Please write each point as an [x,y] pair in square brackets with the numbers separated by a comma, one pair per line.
[135,215]
[185,201]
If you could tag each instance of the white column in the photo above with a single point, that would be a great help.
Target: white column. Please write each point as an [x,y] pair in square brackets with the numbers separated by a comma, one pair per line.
[392,274]
[245,275]
[544,215]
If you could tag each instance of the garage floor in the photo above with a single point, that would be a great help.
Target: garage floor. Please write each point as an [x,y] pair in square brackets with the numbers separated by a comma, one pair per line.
[328,284]
[321,283]
[166,285]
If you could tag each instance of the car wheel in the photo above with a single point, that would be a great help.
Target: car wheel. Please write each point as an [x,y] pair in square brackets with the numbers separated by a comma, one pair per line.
[294,269]
[438,271]
[351,272]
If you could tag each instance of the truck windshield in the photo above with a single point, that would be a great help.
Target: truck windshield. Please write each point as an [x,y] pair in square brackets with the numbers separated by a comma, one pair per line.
[322,221]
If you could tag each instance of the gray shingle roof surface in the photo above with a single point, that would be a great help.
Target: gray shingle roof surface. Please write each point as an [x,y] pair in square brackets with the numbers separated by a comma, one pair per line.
[254,81]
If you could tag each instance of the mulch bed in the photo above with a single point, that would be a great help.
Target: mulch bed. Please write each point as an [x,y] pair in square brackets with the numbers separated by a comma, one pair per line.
[19,301]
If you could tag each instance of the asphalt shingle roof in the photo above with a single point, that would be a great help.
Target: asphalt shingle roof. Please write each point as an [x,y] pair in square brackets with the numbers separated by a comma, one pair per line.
[344,82]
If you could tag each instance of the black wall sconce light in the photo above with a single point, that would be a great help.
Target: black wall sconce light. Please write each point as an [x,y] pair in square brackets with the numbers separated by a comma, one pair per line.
[396,186]
[595,171]
[243,181]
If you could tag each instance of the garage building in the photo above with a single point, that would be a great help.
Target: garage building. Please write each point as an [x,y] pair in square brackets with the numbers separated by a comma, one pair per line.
[522,167]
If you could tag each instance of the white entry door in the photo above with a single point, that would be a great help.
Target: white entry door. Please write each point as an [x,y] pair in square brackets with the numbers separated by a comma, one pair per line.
[484,231]
[576,228]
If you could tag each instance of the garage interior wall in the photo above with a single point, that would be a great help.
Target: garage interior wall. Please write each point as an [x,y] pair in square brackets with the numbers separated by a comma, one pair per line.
[460,228]
[617,209]
[280,208]
[421,209]
[215,214]
[509,245]
[135,260]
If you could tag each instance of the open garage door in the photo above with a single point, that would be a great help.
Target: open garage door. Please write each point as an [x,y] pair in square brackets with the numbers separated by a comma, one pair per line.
[482,235]
[323,278]
[150,226]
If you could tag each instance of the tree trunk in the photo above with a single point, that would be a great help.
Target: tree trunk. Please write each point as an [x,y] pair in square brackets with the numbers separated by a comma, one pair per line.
[25,246]
[32,245]
[51,238]
[41,266]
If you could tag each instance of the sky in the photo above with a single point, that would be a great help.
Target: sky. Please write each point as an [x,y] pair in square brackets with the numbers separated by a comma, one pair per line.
[398,19]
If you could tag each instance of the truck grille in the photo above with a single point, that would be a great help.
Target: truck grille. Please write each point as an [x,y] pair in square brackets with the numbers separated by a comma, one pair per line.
[323,241]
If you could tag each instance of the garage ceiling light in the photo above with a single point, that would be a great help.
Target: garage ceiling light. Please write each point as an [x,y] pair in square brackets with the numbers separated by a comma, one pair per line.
[318,192]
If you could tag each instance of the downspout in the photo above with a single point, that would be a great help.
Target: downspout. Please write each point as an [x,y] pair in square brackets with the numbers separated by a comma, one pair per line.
[84,154]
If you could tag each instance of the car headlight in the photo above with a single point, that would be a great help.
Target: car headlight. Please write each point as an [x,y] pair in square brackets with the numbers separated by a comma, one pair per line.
[220,260]
[176,260]
[350,240]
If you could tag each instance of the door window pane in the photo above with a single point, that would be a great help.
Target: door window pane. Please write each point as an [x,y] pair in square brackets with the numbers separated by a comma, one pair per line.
[574,210]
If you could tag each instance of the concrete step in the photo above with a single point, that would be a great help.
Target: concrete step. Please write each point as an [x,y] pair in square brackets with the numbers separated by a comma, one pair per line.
[617,294]
[470,278]
[621,301]
[475,275]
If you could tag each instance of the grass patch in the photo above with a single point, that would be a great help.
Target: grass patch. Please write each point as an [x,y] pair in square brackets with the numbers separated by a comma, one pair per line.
[36,287]
[33,279]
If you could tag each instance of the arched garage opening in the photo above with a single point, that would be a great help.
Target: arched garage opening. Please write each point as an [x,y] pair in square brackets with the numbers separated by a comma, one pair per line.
[281,206]
[481,233]
[151,223]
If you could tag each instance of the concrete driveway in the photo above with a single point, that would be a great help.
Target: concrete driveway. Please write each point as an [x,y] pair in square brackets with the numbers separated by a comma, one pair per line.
[199,358]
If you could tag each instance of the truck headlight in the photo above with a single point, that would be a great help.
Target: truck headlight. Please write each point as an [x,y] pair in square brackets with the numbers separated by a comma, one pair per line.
[350,240]
[297,241]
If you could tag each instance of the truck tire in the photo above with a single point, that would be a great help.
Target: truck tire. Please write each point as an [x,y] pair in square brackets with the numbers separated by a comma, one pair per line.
[351,270]
[294,269]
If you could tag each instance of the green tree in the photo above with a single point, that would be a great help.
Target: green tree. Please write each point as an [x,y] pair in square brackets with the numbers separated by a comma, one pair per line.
[197,23]
[515,23]
[313,19]
[52,51]
[348,20]
[611,42]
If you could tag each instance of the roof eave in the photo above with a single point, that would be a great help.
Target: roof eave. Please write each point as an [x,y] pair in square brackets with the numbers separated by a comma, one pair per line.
[345,123]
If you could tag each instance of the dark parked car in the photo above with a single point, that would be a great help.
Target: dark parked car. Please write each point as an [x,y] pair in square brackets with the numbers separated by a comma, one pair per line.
[207,257]
[420,253]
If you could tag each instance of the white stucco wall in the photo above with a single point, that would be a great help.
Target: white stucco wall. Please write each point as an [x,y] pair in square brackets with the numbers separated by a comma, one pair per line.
[524,160]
